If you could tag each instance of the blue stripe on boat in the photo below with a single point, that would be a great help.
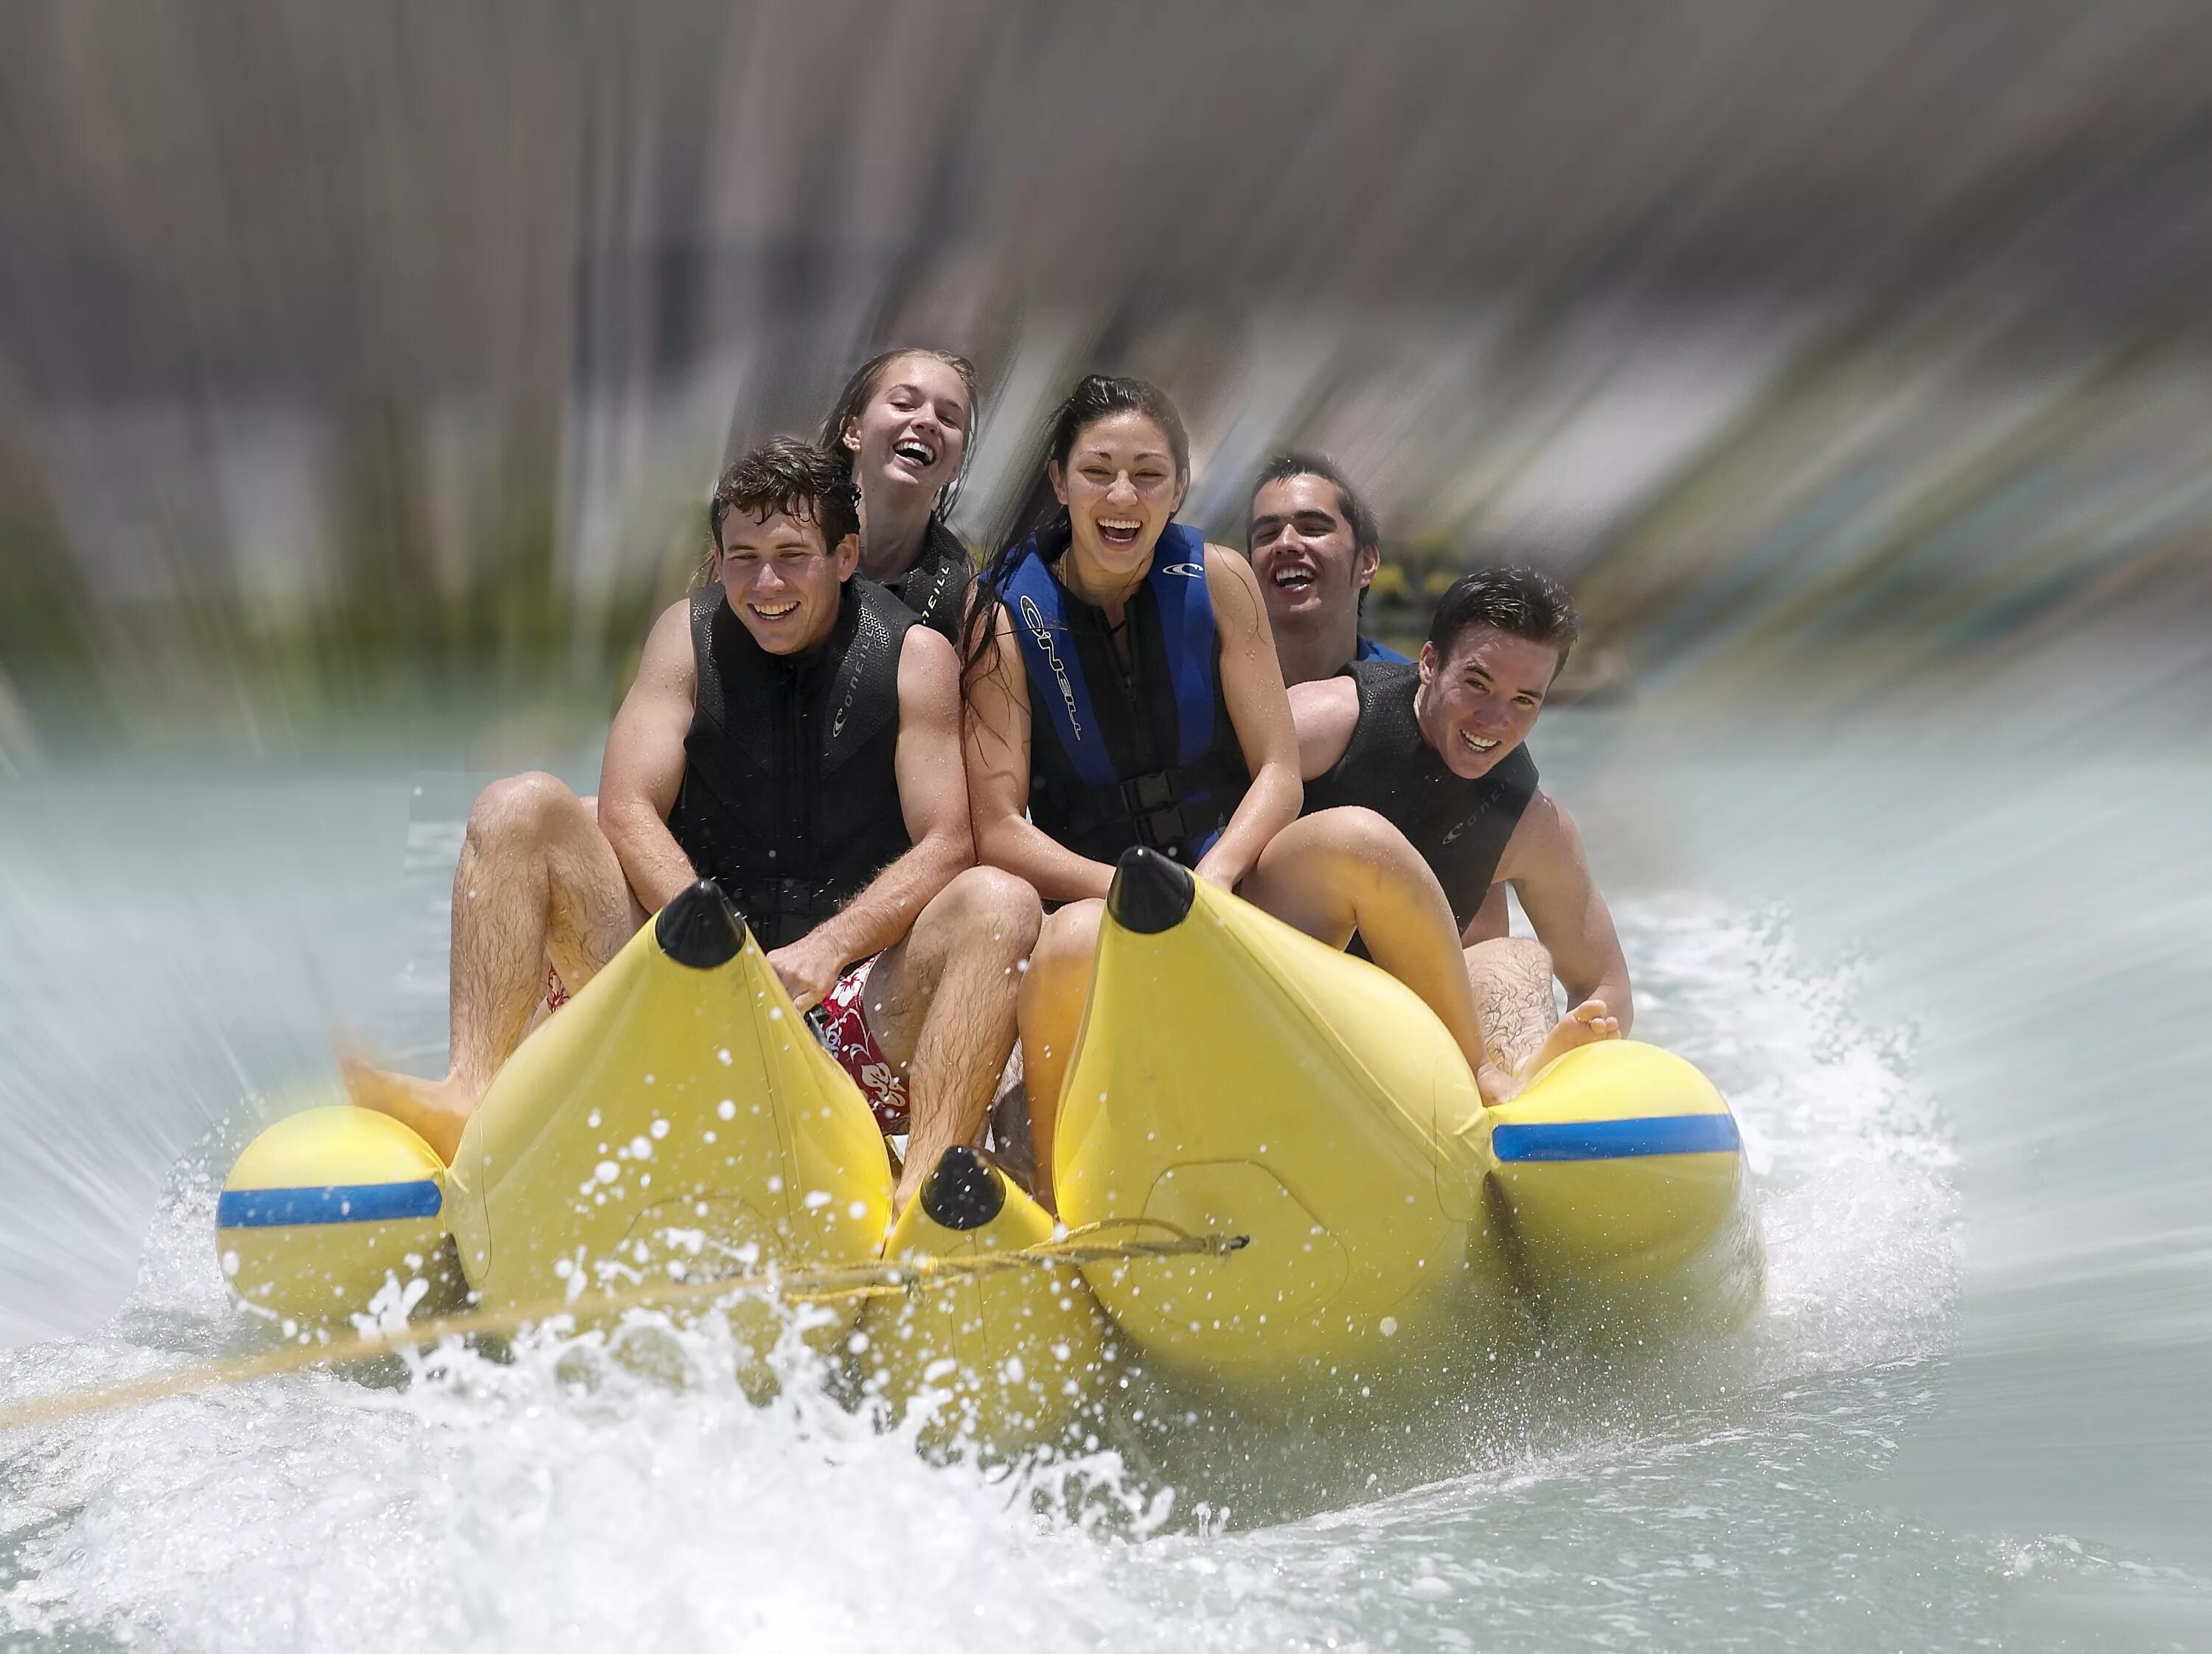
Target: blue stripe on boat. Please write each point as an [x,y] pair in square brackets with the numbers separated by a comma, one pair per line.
[1617,1139]
[270,1208]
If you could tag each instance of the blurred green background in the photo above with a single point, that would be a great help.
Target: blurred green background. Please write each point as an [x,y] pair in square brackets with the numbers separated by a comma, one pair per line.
[369,364]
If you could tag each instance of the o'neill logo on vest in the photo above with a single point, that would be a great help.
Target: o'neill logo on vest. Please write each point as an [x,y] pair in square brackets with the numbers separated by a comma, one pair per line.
[1477,816]
[1187,570]
[1033,618]
[877,638]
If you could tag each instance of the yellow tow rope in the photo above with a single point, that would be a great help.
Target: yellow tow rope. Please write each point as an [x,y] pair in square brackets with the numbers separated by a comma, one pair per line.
[823,1284]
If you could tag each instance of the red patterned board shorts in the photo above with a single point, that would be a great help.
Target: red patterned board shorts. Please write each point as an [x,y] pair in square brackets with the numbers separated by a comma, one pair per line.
[841,1023]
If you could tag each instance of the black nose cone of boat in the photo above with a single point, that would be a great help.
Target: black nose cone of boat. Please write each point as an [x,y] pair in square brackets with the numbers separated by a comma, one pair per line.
[964,1192]
[699,928]
[1150,893]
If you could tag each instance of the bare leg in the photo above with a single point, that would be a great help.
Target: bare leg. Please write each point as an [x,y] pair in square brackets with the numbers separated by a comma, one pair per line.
[537,882]
[1343,870]
[1052,999]
[1512,978]
[941,1006]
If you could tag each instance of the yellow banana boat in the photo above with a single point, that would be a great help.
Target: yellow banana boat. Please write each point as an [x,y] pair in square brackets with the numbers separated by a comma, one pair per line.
[1008,1357]
[686,1125]
[678,1123]
[1232,1075]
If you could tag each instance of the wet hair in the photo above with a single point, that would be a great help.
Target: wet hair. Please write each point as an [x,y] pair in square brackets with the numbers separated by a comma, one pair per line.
[1095,397]
[1520,602]
[790,475]
[1365,531]
[1101,396]
[860,389]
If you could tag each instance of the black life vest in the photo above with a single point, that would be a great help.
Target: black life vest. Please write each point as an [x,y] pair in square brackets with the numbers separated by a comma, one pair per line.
[1459,826]
[936,587]
[1141,754]
[790,797]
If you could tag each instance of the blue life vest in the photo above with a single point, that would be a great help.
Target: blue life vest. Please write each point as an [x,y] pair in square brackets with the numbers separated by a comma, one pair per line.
[1371,650]
[1101,777]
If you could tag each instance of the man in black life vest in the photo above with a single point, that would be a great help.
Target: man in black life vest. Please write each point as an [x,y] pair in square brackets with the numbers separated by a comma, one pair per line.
[794,734]
[1437,748]
[1315,547]
[1315,544]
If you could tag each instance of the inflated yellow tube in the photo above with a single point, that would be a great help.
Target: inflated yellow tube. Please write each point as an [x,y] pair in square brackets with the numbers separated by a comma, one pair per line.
[325,1205]
[1234,1076]
[677,1120]
[1018,1354]
[1617,1177]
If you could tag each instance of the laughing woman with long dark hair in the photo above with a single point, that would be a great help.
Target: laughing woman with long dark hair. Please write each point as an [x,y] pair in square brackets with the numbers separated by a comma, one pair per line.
[1122,689]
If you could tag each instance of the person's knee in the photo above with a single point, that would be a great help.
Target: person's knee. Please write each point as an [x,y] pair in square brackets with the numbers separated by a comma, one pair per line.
[520,808]
[1074,926]
[1528,953]
[1355,831]
[1067,940]
[990,907]
[1511,964]
[1358,855]
[1511,953]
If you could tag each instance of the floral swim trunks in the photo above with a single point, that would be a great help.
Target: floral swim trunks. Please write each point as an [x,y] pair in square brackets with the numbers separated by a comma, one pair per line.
[841,1023]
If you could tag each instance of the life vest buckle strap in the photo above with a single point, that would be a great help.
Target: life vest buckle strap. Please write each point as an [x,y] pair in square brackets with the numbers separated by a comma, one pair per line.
[1143,793]
[1162,829]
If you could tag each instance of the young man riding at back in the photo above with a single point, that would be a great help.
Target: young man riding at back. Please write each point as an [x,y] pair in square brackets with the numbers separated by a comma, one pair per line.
[1315,547]
[1437,748]
[794,735]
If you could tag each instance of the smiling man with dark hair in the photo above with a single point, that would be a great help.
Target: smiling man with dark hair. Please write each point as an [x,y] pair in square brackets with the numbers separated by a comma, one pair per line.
[1315,547]
[794,734]
[1438,749]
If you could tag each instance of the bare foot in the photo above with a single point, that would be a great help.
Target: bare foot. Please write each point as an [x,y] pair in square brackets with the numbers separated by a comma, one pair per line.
[436,1109]
[1586,1024]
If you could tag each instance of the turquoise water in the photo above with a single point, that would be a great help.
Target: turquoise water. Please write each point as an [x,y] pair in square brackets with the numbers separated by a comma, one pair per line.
[1949,984]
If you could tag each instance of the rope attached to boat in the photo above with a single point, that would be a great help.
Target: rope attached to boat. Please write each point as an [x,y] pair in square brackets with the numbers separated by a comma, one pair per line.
[822,1283]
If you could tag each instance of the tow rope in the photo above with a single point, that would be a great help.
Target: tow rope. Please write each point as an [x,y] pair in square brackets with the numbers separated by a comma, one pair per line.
[823,1284]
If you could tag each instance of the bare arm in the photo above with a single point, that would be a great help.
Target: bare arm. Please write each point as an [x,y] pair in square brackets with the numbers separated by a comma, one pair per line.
[1252,684]
[997,749]
[1544,862]
[644,763]
[1325,711]
[932,799]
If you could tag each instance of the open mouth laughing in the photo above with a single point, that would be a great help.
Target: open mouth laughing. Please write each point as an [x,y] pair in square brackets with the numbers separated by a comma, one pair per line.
[916,453]
[775,611]
[1120,531]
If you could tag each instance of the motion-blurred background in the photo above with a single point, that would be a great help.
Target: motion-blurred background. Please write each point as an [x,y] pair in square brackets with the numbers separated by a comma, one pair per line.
[351,355]
[364,369]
